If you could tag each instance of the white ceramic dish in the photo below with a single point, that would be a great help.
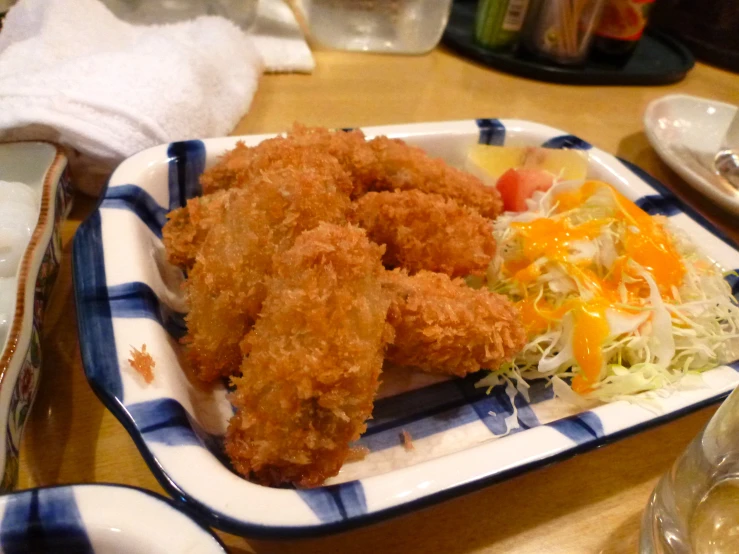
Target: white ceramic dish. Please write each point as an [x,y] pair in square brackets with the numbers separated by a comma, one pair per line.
[41,166]
[687,131]
[101,519]
[127,294]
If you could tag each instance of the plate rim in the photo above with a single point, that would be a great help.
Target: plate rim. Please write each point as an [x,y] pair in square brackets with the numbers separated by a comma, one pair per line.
[696,182]
[168,502]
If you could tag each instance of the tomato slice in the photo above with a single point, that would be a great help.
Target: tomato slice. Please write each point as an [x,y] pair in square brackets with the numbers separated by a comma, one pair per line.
[516,185]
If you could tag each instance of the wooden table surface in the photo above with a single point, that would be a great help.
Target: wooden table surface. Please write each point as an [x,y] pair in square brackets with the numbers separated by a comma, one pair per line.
[590,503]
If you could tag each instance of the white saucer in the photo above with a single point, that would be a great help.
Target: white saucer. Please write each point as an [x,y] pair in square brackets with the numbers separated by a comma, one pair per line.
[687,131]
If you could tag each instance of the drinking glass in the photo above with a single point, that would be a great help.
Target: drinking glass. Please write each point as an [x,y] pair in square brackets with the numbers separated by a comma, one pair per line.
[390,26]
[695,507]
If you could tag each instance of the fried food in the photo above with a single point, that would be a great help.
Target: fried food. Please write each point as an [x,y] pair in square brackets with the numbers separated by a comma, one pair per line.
[187,227]
[426,231]
[381,164]
[443,326]
[143,363]
[316,148]
[315,356]
[226,285]
[409,167]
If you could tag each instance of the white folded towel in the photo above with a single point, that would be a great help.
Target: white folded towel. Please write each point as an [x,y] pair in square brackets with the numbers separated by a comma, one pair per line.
[279,39]
[71,72]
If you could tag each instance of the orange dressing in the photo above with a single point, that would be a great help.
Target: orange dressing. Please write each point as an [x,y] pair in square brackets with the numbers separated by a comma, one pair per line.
[645,241]
[590,332]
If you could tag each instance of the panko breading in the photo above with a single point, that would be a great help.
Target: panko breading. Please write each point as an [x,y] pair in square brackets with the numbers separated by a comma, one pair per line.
[426,231]
[226,285]
[379,164]
[187,227]
[443,326]
[304,147]
[143,363]
[315,356]
[409,167]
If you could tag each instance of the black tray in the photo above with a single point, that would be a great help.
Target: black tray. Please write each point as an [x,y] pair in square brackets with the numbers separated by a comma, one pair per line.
[657,60]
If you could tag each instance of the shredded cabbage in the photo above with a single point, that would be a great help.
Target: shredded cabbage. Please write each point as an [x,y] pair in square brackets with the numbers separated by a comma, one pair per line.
[659,339]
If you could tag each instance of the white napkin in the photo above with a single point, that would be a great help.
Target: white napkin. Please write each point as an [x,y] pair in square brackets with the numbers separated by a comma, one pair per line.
[279,39]
[72,73]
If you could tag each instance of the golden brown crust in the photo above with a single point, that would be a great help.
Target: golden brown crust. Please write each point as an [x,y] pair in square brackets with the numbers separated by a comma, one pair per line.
[225,288]
[187,227]
[408,167]
[316,148]
[426,231]
[381,164]
[315,356]
[443,326]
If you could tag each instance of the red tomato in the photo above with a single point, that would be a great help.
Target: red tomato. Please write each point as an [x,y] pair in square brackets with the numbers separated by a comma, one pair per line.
[516,185]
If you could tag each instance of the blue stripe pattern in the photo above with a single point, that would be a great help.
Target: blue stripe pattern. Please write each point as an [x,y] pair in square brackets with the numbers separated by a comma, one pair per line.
[656,204]
[165,421]
[140,202]
[679,206]
[493,409]
[580,428]
[733,281]
[492,131]
[186,164]
[138,300]
[447,405]
[94,320]
[567,141]
[336,502]
[46,520]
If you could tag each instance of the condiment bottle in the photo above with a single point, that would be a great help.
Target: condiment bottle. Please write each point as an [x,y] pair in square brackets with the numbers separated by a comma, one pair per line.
[498,22]
[621,26]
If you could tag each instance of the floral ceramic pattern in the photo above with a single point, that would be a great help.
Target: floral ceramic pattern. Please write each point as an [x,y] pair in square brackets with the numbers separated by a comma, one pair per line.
[28,378]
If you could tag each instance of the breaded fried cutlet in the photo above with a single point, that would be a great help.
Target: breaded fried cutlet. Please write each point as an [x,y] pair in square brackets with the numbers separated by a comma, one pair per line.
[381,164]
[187,227]
[226,285]
[408,167]
[427,231]
[315,356]
[304,147]
[443,326]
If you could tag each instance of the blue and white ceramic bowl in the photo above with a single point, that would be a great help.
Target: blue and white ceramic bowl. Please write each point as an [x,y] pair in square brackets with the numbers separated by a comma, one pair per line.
[128,295]
[42,167]
[102,519]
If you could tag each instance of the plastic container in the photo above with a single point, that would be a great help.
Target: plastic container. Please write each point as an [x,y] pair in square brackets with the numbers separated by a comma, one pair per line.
[391,26]
[147,12]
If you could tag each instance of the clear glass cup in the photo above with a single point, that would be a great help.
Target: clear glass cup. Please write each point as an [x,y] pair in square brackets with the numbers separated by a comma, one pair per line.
[147,12]
[561,30]
[390,26]
[695,507]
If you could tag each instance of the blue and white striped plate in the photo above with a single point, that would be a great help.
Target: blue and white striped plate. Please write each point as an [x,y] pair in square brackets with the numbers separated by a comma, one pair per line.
[127,295]
[91,518]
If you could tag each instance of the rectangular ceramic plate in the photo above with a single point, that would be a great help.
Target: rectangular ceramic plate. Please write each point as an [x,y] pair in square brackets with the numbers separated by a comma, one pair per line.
[128,295]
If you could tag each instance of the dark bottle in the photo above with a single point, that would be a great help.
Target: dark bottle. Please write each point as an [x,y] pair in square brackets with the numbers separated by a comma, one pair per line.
[621,26]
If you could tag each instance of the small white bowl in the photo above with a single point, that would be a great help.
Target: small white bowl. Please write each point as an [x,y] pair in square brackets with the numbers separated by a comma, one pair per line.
[687,131]
[106,519]
[41,166]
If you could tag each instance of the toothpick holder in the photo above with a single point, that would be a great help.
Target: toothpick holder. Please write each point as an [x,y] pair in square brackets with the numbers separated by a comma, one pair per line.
[561,30]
